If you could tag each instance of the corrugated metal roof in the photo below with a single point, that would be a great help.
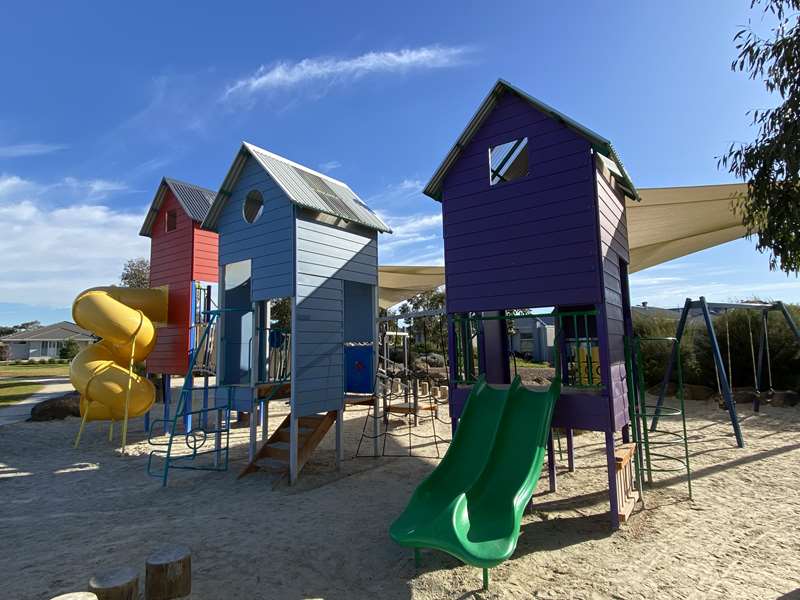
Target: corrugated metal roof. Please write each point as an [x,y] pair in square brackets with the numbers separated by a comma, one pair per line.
[304,187]
[600,144]
[63,330]
[195,201]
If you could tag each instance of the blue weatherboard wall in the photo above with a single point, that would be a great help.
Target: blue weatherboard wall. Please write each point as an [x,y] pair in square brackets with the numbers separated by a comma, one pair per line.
[268,241]
[326,264]
[328,256]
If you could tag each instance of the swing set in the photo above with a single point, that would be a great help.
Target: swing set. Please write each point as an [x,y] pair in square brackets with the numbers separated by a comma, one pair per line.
[724,377]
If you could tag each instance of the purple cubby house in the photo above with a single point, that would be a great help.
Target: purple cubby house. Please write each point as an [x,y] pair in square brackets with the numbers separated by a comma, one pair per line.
[533,208]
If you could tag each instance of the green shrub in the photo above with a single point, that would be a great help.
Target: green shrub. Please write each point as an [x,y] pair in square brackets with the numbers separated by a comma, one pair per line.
[697,359]
[69,350]
[783,346]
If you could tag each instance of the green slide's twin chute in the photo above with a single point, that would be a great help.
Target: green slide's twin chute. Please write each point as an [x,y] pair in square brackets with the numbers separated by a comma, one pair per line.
[471,505]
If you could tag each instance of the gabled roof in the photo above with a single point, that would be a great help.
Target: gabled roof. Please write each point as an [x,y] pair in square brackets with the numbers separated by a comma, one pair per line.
[303,186]
[57,332]
[194,200]
[600,144]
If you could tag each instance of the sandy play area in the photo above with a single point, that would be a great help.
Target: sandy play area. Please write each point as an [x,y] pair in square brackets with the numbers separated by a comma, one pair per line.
[68,513]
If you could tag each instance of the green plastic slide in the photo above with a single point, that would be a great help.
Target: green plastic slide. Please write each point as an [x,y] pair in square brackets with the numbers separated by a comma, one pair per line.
[471,505]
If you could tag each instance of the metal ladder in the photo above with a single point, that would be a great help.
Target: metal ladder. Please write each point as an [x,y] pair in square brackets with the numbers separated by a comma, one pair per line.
[651,442]
[197,430]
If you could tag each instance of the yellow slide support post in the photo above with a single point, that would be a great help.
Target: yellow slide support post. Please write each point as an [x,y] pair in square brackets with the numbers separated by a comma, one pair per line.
[125,319]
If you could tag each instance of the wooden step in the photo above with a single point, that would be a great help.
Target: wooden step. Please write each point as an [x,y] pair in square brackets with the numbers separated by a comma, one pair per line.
[284,433]
[277,450]
[311,431]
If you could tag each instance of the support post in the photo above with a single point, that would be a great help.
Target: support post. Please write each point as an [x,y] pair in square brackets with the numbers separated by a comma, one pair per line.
[723,377]
[612,480]
[263,419]
[166,393]
[204,420]
[375,404]
[339,446]
[790,321]
[551,461]
[570,450]
[251,450]
[293,425]
[485,579]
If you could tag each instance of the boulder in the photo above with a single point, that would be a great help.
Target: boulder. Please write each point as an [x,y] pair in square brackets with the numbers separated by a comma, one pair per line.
[57,408]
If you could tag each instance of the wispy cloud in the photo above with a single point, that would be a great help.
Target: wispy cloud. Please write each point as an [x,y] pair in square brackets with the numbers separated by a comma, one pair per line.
[287,74]
[329,166]
[32,149]
[59,239]
[95,189]
[68,189]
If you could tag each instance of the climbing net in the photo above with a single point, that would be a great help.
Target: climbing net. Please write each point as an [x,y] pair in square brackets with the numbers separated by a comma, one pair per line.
[411,392]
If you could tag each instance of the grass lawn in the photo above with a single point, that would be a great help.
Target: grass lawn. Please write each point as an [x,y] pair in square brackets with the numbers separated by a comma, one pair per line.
[521,362]
[34,370]
[13,391]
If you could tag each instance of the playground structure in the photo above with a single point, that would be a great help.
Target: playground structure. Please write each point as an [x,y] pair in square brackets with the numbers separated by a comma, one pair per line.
[540,223]
[563,188]
[290,234]
[537,231]
[183,258]
[125,319]
[471,505]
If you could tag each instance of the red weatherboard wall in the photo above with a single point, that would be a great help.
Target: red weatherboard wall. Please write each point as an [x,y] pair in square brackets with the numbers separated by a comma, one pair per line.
[176,258]
[205,266]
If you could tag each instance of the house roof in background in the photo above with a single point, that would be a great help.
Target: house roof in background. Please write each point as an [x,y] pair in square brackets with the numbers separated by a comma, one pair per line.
[57,332]
[194,200]
[304,187]
[600,144]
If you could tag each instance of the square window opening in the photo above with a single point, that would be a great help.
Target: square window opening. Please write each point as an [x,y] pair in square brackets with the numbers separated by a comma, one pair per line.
[172,220]
[508,161]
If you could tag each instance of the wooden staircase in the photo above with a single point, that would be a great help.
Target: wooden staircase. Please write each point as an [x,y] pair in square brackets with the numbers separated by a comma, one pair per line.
[274,453]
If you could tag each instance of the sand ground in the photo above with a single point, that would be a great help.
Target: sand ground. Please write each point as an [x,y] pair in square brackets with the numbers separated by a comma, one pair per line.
[69,513]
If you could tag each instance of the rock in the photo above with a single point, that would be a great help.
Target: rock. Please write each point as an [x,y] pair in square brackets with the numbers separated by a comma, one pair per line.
[57,408]
[433,359]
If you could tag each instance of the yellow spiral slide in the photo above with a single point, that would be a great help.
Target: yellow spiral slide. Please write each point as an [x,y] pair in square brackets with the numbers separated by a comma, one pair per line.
[125,320]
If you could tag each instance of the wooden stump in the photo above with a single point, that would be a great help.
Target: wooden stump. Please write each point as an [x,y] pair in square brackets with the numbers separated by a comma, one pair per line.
[116,584]
[76,596]
[169,573]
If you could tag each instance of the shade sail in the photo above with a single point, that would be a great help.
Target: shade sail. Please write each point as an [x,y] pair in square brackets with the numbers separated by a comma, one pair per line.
[401,282]
[672,222]
[666,224]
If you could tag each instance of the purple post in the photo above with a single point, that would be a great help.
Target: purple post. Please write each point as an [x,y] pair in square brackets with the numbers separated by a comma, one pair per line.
[612,479]
[570,450]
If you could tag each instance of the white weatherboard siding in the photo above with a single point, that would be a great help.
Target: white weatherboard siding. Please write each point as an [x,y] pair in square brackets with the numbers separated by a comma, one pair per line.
[327,256]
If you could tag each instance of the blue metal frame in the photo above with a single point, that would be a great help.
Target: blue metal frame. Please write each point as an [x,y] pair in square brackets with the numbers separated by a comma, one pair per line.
[195,438]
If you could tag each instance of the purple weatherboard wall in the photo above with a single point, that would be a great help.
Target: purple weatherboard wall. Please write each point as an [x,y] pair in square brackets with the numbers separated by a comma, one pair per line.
[553,236]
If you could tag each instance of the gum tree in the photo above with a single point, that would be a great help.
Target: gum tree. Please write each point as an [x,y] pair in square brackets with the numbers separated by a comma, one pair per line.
[770,164]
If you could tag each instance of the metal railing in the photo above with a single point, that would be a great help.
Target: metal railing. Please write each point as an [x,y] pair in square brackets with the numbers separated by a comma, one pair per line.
[575,349]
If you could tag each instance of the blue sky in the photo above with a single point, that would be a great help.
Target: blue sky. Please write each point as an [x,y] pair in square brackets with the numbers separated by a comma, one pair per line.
[102,100]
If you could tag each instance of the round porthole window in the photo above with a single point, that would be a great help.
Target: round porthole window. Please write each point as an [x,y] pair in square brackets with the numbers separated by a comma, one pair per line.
[253,206]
